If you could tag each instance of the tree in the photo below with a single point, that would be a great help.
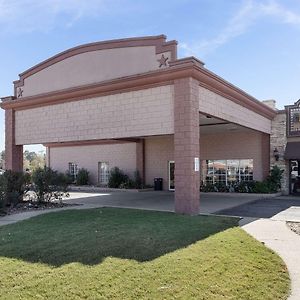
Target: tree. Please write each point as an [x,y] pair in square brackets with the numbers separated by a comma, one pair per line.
[2,159]
[33,160]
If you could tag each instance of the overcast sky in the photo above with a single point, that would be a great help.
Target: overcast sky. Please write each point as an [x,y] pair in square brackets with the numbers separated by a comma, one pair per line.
[253,44]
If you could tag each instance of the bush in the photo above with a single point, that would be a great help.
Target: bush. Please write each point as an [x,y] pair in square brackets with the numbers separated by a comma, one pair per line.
[69,177]
[244,187]
[209,187]
[221,187]
[2,195]
[274,179]
[261,187]
[82,177]
[49,184]
[128,184]
[13,186]
[116,178]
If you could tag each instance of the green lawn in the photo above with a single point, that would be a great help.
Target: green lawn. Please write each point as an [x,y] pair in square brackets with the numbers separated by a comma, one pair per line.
[130,254]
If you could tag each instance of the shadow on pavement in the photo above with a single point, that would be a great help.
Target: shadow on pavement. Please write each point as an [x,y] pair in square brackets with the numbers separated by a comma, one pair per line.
[263,208]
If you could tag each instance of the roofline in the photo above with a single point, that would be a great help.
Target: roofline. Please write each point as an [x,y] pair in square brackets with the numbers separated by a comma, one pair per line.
[159,41]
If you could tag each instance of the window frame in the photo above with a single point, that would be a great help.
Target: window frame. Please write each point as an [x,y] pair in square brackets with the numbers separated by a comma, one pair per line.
[73,169]
[209,174]
[105,175]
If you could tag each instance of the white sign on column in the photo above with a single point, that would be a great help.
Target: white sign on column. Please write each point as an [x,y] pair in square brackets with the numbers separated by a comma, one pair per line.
[196,162]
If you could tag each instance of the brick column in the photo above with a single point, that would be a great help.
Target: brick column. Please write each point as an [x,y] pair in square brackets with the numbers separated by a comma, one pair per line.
[186,146]
[48,157]
[13,153]
[140,158]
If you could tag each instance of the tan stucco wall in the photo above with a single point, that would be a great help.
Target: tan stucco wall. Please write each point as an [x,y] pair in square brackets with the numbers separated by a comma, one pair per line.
[220,107]
[92,67]
[117,155]
[241,145]
[131,114]
[158,152]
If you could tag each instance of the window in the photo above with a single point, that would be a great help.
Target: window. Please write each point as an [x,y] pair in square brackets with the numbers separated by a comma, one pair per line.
[227,171]
[73,170]
[103,169]
[246,170]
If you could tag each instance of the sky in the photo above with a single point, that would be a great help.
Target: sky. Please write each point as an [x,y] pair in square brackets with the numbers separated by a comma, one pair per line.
[252,44]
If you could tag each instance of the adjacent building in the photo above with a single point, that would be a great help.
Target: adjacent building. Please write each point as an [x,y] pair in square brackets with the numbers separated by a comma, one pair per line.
[133,104]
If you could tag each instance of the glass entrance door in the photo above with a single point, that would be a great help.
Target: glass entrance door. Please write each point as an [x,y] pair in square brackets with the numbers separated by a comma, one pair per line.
[171,167]
[294,177]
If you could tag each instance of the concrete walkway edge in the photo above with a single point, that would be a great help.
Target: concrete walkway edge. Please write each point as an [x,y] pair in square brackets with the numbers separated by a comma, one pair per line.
[278,237]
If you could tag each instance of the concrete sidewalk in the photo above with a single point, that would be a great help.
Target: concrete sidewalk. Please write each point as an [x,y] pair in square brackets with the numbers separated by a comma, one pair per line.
[10,219]
[277,236]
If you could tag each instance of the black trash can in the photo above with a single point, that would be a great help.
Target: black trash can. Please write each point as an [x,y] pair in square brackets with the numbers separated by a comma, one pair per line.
[158,184]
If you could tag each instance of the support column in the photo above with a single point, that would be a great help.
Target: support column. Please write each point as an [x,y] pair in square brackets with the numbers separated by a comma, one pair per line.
[265,154]
[186,146]
[13,152]
[48,157]
[140,158]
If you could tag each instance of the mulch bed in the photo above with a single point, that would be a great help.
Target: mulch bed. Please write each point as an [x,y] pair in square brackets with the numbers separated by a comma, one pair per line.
[32,206]
[294,226]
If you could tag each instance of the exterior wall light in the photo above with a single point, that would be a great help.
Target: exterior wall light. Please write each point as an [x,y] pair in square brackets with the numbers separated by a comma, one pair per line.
[276,154]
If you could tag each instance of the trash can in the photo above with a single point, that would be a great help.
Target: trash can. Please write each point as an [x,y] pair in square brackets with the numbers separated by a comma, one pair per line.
[158,184]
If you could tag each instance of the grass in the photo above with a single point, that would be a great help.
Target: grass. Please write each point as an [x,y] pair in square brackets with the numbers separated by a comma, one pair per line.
[129,254]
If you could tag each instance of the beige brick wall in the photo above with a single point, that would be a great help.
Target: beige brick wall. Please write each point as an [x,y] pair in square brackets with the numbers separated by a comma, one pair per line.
[117,155]
[220,107]
[137,113]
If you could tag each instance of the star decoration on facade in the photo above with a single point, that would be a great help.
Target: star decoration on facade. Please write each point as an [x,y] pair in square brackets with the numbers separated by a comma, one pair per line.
[163,61]
[20,92]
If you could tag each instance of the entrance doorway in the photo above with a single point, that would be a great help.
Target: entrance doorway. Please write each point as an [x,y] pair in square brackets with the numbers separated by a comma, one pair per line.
[171,168]
[294,177]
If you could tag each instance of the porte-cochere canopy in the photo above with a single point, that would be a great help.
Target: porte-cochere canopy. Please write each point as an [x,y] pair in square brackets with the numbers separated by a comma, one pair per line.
[132,91]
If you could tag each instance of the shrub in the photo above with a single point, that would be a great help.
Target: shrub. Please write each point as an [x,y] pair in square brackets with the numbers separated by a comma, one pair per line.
[69,177]
[274,179]
[2,195]
[14,185]
[128,184]
[82,177]
[261,187]
[206,188]
[244,187]
[221,187]
[116,178]
[49,184]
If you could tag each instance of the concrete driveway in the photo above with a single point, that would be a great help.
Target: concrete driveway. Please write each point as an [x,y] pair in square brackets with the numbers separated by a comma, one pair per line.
[283,208]
[161,201]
